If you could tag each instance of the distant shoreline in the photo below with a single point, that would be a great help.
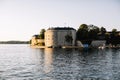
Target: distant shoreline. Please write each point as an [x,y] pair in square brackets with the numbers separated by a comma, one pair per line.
[14,42]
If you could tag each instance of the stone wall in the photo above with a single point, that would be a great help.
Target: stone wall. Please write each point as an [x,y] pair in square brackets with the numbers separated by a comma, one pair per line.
[56,38]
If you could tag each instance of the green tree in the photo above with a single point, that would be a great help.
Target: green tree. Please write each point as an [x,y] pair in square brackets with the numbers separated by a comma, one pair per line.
[68,38]
[114,31]
[42,33]
[93,31]
[82,32]
[103,30]
[114,35]
[107,37]
[83,26]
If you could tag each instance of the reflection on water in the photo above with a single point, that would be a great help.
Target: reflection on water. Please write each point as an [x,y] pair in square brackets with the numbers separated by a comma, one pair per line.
[20,62]
[48,59]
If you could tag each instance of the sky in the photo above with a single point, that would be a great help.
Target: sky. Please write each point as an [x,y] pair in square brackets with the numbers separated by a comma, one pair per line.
[21,19]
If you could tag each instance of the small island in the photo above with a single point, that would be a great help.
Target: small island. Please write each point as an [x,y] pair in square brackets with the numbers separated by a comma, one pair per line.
[67,37]
[14,42]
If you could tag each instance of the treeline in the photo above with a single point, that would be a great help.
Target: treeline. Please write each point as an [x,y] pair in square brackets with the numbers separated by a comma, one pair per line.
[14,42]
[87,33]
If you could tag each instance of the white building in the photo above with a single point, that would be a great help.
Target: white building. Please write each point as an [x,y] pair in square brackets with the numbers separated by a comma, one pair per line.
[55,37]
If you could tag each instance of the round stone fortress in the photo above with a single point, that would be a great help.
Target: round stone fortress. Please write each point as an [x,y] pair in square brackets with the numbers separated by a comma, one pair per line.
[57,37]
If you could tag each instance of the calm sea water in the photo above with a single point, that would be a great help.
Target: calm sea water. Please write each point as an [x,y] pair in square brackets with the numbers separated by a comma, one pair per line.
[20,62]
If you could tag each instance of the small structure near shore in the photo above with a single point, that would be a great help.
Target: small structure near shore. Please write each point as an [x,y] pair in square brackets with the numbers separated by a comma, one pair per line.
[36,40]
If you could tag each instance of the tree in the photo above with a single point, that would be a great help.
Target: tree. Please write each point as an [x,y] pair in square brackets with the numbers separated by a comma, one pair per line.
[107,37]
[83,26]
[103,30]
[82,32]
[93,31]
[42,33]
[68,38]
[102,34]
[114,37]
[114,31]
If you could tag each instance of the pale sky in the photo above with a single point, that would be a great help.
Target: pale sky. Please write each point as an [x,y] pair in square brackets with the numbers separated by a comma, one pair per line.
[20,19]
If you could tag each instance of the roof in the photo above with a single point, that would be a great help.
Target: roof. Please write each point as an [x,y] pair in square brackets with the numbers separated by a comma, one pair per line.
[36,36]
[61,28]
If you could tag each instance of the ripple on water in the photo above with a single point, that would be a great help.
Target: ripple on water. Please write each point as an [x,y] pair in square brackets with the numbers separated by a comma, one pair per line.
[25,63]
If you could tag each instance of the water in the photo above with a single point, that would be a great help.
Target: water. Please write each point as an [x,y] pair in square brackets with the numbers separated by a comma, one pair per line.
[20,62]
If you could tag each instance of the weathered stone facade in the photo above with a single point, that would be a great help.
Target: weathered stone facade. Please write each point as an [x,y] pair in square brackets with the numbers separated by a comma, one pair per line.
[56,37]
[36,40]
